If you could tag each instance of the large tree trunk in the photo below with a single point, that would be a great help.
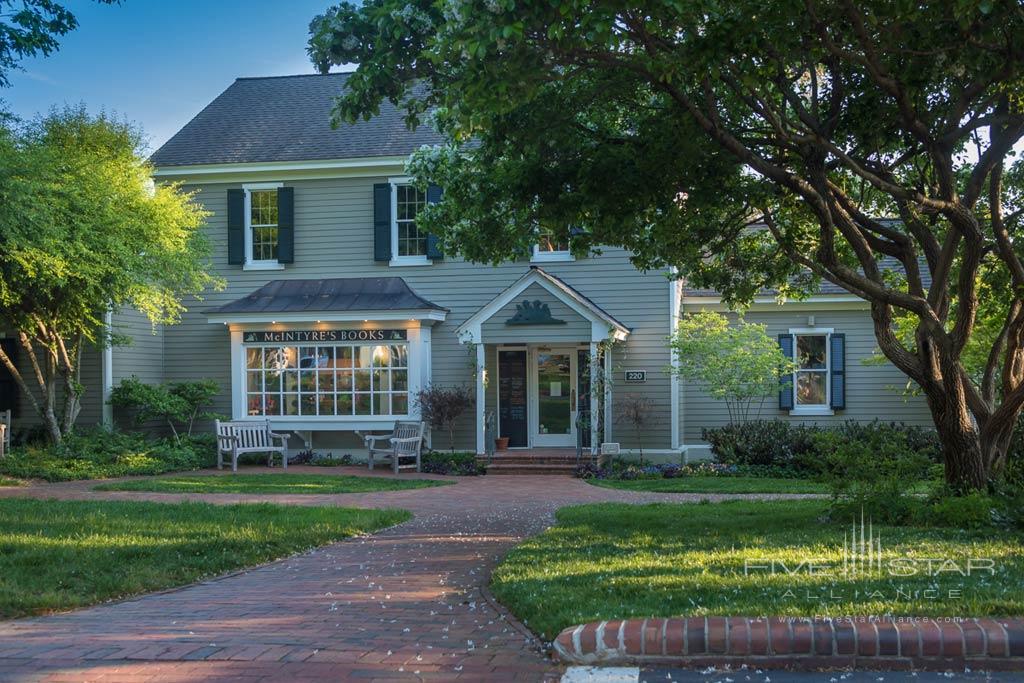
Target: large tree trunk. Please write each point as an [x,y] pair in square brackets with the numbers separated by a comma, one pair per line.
[963,450]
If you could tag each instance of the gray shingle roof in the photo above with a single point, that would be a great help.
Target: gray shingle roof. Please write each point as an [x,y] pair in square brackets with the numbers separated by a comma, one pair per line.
[335,294]
[286,118]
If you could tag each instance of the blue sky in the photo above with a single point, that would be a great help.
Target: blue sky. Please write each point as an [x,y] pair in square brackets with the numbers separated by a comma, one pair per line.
[157,63]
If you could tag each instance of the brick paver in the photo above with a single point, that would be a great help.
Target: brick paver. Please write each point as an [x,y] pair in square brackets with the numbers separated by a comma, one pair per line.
[406,604]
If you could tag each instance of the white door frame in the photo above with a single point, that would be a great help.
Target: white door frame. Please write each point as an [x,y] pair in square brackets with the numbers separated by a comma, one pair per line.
[537,439]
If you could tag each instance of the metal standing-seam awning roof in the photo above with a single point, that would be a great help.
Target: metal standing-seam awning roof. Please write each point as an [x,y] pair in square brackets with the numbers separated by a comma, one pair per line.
[333,299]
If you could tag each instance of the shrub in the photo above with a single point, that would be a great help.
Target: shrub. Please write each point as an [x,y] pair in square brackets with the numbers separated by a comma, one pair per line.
[972,511]
[462,464]
[317,459]
[100,454]
[178,404]
[636,411]
[871,470]
[440,407]
[763,443]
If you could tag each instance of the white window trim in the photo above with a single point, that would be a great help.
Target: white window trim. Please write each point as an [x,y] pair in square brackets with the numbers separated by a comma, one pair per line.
[540,256]
[396,260]
[826,408]
[249,263]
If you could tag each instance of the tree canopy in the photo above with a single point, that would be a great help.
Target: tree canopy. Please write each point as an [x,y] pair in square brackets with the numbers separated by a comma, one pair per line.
[84,230]
[31,27]
[672,128]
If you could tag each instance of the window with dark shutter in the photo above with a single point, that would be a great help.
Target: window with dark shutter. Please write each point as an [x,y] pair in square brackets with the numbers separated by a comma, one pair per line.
[786,381]
[285,225]
[434,253]
[382,222]
[236,227]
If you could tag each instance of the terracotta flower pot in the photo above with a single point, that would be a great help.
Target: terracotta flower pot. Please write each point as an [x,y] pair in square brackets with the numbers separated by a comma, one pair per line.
[501,443]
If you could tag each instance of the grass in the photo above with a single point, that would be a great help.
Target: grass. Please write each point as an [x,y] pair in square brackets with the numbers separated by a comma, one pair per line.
[7,481]
[269,483]
[714,484]
[612,561]
[59,555]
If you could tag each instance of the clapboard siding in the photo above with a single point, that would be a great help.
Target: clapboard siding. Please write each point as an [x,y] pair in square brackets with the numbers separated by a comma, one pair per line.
[334,238]
[143,355]
[872,391]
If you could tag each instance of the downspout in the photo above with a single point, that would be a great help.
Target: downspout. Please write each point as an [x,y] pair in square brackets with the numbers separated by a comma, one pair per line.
[108,370]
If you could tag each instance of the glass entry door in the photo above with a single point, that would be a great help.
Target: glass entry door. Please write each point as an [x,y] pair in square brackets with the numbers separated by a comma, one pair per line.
[556,394]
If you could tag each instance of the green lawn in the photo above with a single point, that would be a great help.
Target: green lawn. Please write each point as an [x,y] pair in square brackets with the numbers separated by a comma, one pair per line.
[7,481]
[269,483]
[58,555]
[610,561]
[713,484]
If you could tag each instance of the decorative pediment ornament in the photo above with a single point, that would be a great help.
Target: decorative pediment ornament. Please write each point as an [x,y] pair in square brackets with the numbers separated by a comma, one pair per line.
[534,312]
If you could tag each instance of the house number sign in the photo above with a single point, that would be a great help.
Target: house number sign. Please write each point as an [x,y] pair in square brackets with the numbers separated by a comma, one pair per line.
[636,376]
[315,336]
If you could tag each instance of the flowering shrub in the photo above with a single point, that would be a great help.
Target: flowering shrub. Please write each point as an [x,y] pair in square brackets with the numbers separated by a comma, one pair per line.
[631,471]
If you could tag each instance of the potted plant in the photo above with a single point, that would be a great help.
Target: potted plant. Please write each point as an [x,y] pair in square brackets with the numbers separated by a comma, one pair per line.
[501,443]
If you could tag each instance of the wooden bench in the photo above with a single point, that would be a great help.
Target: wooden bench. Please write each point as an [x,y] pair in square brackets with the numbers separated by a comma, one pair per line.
[5,432]
[404,443]
[247,436]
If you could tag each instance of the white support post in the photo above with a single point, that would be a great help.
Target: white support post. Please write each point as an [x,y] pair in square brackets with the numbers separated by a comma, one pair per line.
[595,396]
[674,292]
[107,411]
[481,374]
[608,394]
[238,402]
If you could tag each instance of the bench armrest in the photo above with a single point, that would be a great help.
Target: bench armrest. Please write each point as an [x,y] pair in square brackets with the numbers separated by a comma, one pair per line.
[276,435]
[410,439]
[371,438]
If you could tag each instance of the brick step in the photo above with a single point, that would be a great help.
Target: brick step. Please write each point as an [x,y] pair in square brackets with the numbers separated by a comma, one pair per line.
[559,470]
[534,460]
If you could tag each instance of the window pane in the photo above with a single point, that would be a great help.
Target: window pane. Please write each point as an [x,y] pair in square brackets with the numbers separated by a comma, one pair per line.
[291,404]
[810,351]
[552,241]
[253,358]
[399,404]
[307,404]
[810,388]
[362,380]
[381,381]
[344,404]
[344,380]
[399,356]
[291,380]
[255,406]
[344,357]
[307,381]
[381,356]
[381,404]
[399,380]
[363,404]
[364,356]
[273,380]
[326,381]
[255,381]
[326,404]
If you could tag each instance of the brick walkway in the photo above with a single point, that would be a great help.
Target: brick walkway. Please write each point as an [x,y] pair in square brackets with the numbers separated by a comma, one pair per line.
[405,604]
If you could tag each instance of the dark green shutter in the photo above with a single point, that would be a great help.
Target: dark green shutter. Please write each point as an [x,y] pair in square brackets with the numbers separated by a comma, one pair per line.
[8,387]
[838,374]
[786,382]
[236,226]
[382,222]
[433,249]
[286,225]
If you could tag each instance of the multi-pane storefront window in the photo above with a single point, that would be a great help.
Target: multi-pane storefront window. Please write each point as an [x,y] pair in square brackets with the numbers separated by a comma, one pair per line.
[327,380]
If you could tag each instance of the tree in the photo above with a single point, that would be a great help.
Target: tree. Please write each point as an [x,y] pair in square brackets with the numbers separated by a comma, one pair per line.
[737,362]
[31,27]
[668,128]
[636,411]
[441,407]
[83,231]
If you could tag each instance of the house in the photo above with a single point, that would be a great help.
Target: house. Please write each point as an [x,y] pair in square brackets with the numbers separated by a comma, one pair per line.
[339,309]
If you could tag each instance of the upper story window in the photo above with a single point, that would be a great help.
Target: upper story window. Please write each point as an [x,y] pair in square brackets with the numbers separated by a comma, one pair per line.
[408,242]
[262,234]
[552,245]
[812,370]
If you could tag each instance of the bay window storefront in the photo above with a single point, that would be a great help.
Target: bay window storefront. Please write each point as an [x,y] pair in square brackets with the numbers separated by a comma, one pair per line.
[327,380]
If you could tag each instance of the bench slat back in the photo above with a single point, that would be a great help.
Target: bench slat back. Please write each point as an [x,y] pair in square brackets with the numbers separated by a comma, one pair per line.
[407,430]
[249,435]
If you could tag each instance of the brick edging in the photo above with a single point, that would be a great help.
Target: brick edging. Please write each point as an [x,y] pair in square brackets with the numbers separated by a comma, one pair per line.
[797,642]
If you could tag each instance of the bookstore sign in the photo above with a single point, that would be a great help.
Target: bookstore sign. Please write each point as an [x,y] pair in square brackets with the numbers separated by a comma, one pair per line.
[324,336]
